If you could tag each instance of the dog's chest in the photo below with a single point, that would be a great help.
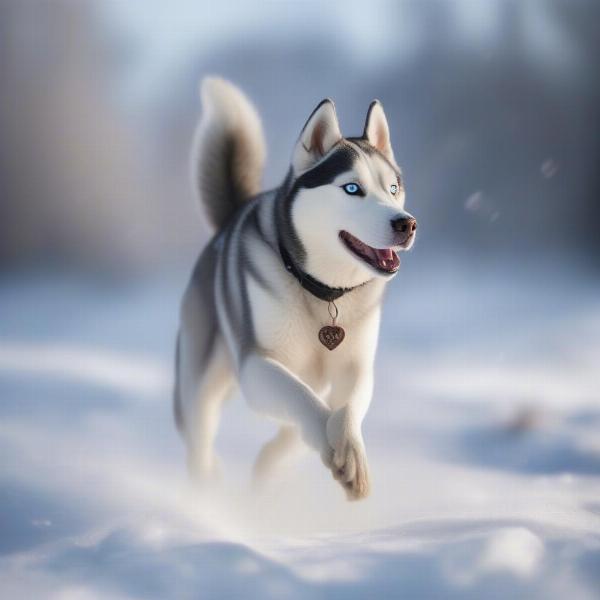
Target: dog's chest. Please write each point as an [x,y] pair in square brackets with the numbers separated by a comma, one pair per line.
[287,326]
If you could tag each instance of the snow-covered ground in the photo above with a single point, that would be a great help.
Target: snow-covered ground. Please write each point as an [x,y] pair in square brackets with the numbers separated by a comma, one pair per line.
[483,440]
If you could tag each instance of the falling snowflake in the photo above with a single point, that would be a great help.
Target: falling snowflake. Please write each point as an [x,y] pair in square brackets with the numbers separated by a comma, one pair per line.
[474,201]
[41,523]
[548,168]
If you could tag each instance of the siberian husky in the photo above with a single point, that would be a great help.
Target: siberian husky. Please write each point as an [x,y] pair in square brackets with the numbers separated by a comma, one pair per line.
[285,300]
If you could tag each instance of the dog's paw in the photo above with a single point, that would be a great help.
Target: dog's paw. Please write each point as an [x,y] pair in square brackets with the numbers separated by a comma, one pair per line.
[350,468]
[348,459]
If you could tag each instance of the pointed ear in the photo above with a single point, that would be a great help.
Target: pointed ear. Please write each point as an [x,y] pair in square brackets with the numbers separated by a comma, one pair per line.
[318,136]
[377,132]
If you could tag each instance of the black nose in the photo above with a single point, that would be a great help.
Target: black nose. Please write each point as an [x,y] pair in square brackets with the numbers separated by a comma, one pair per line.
[404,224]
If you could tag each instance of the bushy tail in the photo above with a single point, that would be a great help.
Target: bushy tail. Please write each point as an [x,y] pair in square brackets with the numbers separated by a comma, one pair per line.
[229,150]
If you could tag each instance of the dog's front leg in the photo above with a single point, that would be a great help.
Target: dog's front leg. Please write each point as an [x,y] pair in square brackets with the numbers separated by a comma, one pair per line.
[271,389]
[351,394]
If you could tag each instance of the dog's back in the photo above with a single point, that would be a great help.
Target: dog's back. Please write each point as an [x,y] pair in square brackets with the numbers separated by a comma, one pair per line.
[227,160]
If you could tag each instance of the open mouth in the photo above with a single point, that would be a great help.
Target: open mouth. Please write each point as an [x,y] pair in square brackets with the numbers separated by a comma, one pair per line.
[384,260]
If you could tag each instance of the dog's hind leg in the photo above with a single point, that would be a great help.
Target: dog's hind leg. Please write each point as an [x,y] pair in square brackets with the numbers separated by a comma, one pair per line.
[204,385]
[205,376]
[274,452]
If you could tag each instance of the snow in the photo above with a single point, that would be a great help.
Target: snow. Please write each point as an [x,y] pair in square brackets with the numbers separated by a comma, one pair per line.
[483,440]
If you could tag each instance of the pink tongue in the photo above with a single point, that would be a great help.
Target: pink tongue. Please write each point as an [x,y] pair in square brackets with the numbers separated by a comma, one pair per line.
[385,254]
[385,257]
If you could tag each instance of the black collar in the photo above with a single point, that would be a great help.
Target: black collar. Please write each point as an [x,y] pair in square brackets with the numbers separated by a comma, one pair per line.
[309,283]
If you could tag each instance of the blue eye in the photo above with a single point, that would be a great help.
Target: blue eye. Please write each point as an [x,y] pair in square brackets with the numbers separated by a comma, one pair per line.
[352,188]
[393,188]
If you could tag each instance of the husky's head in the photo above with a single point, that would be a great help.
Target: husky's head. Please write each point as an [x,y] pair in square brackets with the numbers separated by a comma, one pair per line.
[344,210]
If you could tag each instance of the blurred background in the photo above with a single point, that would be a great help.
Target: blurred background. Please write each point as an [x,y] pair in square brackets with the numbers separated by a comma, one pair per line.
[483,433]
[494,110]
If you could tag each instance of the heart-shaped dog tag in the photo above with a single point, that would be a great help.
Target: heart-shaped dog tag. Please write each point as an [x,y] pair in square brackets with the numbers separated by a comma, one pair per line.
[331,336]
